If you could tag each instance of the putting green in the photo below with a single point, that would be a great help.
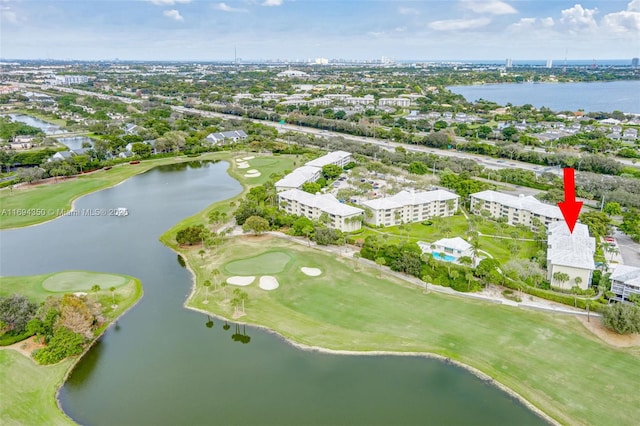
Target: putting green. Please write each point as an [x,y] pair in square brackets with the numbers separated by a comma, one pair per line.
[262,161]
[271,262]
[81,281]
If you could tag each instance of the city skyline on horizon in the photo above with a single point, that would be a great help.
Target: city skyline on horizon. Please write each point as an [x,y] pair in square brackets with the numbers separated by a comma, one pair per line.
[198,30]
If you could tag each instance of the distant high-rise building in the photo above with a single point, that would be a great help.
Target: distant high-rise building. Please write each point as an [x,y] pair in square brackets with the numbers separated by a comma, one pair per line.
[634,62]
[508,63]
[549,63]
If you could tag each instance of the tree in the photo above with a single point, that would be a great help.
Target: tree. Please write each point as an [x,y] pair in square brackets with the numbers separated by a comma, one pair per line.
[191,235]
[201,253]
[141,149]
[331,171]
[113,295]
[561,277]
[465,261]
[206,285]
[612,208]
[16,311]
[578,281]
[469,277]
[209,323]
[356,259]
[256,224]
[95,289]
[598,223]
[623,318]
[215,273]
[381,261]
[311,187]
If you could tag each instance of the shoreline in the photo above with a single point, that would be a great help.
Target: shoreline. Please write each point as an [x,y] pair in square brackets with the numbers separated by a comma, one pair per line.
[90,346]
[429,355]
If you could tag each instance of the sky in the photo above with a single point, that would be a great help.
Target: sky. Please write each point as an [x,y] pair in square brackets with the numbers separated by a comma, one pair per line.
[205,30]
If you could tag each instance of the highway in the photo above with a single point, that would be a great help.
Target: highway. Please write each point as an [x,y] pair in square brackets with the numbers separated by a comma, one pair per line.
[486,161]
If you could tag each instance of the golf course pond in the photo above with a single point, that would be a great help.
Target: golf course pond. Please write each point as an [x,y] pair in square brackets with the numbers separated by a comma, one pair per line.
[162,364]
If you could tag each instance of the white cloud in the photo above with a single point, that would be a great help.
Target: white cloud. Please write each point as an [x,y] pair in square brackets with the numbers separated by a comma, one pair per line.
[408,11]
[624,21]
[577,18]
[459,24]
[528,24]
[173,14]
[8,15]
[493,7]
[226,8]
[272,2]
[168,2]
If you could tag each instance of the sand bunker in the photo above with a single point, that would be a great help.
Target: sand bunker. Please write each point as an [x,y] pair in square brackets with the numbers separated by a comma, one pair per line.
[255,174]
[312,272]
[240,280]
[268,283]
[248,158]
[253,171]
[243,165]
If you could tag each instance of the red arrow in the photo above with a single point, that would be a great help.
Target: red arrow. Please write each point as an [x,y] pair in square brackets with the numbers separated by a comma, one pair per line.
[570,208]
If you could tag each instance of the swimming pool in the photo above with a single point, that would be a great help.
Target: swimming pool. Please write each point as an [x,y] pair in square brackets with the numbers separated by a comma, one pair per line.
[446,258]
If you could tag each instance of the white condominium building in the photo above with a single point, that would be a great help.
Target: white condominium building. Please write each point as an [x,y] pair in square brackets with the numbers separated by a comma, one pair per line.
[625,281]
[312,170]
[519,210]
[571,254]
[337,158]
[344,217]
[410,206]
[401,102]
[296,178]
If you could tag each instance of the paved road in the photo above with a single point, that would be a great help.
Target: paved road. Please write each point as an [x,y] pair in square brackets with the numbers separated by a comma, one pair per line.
[488,162]
[629,250]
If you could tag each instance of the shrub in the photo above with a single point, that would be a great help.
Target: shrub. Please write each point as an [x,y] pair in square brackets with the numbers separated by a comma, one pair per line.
[64,343]
[623,318]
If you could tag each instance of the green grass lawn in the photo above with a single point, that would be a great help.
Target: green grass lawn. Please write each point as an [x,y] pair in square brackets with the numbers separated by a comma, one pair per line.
[81,281]
[27,393]
[551,360]
[266,263]
[27,390]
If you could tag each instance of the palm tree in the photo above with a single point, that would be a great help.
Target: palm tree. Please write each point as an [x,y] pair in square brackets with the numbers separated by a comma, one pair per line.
[381,261]
[206,285]
[215,273]
[113,296]
[95,289]
[465,261]
[356,258]
[201,253]
[561,277]
[223,286]
[469,277]
[427,279]
[209,322]
[454,275]
[578,281]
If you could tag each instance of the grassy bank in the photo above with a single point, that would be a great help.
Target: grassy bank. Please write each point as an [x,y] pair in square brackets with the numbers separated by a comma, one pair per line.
[33,204]
[27,394]
[551,360]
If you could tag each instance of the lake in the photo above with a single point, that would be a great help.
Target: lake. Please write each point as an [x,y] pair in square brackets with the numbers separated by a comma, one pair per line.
[162,365]
[46,127]
[590,97]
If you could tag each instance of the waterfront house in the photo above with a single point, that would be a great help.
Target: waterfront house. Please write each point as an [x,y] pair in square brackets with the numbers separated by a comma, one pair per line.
[226,137]
[447,249]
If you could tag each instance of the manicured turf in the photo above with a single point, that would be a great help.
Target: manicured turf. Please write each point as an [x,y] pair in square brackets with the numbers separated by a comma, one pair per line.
[81,281]
[266,263]
[551,360]
[27,391]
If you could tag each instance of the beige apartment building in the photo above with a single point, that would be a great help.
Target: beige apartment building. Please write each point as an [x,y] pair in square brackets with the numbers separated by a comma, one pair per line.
[343,217]
[410,206]
[519,210]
